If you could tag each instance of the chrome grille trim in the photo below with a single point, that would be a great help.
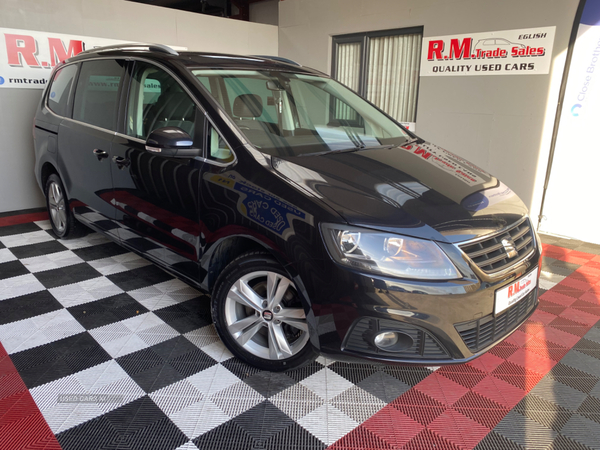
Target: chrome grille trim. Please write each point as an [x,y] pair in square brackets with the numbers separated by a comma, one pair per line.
[488,252]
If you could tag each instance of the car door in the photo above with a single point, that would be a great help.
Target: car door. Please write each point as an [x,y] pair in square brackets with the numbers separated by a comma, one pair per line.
[156,197]
[85,139]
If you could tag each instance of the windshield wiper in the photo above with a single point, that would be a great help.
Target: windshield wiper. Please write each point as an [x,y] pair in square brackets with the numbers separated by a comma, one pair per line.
[329,152]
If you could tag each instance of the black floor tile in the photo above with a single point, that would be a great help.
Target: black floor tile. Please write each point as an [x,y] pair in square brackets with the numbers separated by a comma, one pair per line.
[26,306]
[304,372]
[43,248]
[229,436]
[164,364]
[58,359]
[543,412]
[139,425]
[139,278]
[355,373]
[100,251]
[12,269]
[409,375]
[269,384]
[67,275]
[10,230]
[187,316]
[106,311]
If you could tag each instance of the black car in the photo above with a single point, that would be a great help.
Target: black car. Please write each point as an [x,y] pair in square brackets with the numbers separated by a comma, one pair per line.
[315,221]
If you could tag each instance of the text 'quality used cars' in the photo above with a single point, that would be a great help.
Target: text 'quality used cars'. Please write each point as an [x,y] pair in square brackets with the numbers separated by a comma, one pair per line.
[315,221]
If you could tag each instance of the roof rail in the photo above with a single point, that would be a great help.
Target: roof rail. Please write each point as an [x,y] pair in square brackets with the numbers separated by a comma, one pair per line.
[134,46]
[280,59]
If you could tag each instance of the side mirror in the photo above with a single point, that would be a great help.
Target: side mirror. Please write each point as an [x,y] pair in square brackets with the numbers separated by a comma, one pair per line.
[172,142]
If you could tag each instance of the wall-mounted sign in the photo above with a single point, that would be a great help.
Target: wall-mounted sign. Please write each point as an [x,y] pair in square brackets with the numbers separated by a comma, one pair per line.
[27,57]
[511,52]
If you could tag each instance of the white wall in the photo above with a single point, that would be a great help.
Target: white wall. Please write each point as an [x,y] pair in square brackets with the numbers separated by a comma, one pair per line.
[265,12]
[501,123]
[114,19]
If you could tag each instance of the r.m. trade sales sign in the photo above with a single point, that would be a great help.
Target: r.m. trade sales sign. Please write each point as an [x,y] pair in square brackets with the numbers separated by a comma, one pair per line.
[27,57]
[511,52]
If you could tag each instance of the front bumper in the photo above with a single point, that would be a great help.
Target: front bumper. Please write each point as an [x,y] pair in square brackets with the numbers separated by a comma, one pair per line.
[449,322]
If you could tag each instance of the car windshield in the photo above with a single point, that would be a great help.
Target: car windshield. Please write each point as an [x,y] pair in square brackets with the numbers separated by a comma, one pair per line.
[290,114]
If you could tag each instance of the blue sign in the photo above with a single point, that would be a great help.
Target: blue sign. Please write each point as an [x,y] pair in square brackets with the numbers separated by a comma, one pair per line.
[1,80]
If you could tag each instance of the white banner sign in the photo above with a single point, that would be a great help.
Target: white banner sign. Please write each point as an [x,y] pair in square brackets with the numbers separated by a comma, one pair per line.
[511,52]
[27,57]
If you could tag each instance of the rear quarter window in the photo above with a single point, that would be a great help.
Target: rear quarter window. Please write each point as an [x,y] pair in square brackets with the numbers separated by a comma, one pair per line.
[58,93]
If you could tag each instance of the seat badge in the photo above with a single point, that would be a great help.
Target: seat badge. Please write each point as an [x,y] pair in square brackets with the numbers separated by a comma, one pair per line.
[509,248]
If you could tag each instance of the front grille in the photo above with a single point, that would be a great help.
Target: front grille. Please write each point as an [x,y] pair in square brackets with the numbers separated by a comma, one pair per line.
[478,334]
[490,255]
[360,339]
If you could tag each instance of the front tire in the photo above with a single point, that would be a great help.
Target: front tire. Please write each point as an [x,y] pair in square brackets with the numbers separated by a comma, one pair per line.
[63,223]
[259,316]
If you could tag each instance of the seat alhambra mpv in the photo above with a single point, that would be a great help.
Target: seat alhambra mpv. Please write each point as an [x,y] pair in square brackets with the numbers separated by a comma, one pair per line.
[316,222]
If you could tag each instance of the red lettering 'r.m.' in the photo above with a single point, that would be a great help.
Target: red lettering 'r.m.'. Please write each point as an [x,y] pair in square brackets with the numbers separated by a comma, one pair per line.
[21,47]
[462,50]
[58,53]
[435,47]
[424,153]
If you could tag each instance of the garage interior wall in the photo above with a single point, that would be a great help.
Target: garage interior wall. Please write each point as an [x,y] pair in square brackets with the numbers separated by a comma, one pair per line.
[113,19]
[501,123]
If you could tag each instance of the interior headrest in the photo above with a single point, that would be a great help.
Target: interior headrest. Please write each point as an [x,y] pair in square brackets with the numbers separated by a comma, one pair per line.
[248,105]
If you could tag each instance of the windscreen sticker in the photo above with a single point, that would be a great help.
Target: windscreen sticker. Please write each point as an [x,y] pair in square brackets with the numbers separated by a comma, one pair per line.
[468,173]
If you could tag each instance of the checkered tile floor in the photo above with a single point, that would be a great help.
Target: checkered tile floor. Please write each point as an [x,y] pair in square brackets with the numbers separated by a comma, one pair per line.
[100,349]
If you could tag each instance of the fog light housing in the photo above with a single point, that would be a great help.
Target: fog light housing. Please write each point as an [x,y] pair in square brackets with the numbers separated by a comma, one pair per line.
[392,341]
[386,340]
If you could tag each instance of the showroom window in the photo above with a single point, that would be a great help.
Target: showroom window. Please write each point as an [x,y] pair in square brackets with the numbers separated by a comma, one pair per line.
[97,92]
[383,67]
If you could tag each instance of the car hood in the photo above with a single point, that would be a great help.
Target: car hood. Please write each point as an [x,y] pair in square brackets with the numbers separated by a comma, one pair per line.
[419,190]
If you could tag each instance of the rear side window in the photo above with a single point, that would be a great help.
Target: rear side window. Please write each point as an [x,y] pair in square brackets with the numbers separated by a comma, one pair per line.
[60,88]
[97,93]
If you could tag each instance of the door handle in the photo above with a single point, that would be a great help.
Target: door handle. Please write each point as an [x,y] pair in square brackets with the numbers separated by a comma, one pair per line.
[121,162]
[101,154]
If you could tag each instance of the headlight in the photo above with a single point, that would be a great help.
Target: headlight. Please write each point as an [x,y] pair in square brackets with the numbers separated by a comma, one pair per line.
[388,254]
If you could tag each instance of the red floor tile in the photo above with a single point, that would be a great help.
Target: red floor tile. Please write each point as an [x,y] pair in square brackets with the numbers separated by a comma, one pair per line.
[481,409]
[23,218]
[418,406]
[579,316]
[442,389]
[463,374]
[427,439]
[532,361]
[557,297]
[499,391]
[458,429]
[487,362]
[517,375]
[393,426]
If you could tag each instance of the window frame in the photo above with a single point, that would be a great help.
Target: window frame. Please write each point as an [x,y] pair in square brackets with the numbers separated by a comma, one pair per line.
[69,108]
[122,87]
[200,110]
[364,38]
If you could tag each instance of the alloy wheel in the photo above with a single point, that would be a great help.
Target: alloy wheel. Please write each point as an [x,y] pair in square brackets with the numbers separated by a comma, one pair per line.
[265,316]
[56,203]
